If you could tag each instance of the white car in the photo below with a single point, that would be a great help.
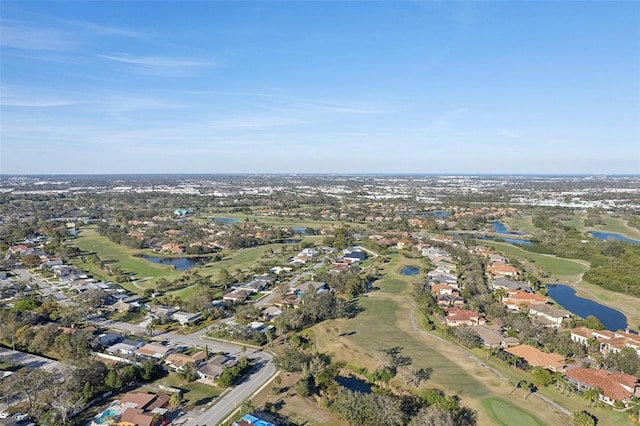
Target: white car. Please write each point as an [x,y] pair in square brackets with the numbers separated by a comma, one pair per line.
[20,416]
[4,415]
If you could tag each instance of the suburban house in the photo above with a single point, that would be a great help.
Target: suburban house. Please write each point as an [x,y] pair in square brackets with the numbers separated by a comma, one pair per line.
[211,369]
[614,386]
[516,299]
[457,316]
[493,338]
[548,314]
[253,286]
[107,339]
[172,248]
[126,347]
[509,285]
[337,268]
[537,358]
[609,340]
[143,409]
[186,318]
[155,350]
[355,254]
[501,269]
[270,313]
[126,304]
[445,300]
[309,287]
[176,361]
[442,289]
[163,312]
[236,296]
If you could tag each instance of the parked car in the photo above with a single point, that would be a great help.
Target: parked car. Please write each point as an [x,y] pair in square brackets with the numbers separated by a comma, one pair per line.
[20,416]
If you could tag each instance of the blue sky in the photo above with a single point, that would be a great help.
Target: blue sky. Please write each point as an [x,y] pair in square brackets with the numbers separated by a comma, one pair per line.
[320,87]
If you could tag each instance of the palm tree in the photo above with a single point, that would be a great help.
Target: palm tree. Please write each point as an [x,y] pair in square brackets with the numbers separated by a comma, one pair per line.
[247,407]
[151,326]
[518,385]
[591,395]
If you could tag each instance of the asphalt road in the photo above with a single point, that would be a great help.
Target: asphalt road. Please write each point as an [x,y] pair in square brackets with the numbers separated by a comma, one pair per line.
[263,371]
[45,288]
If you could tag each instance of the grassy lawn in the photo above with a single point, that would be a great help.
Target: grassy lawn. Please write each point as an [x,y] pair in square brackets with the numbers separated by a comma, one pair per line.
[612,224]
[196,394]
[90,241]
[618,226]
[507,414]
[556,266]
[522,224]
[386,320]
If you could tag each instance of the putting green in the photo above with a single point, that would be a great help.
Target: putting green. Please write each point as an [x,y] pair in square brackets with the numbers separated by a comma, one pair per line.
[507,414]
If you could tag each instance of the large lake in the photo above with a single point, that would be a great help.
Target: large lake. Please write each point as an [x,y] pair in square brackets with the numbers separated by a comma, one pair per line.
[566,297]
[612,236]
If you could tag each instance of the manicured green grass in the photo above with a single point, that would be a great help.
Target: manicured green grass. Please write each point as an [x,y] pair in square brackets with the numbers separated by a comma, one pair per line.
[522,224]
[90,241]
[507,414]
[196,394]
[572,402]
[554,265]
[392,280]
[618,226]
[377,326]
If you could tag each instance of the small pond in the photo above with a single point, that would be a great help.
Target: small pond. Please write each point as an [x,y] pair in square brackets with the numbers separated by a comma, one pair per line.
[612,236]
[226,220]
[410,270]
[180,263]
[300,230]
[566,297]
[354,384]
[437,214]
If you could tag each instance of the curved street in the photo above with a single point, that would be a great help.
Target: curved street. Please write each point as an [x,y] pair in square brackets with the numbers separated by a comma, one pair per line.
[223,407]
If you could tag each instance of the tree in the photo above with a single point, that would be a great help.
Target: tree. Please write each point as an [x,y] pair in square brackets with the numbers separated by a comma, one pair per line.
[530,388]
[247,407]
[542,377]
[591,395]
[188,372]
[593,323]
[151,326]
[176,400]
[518,385]
[584,418]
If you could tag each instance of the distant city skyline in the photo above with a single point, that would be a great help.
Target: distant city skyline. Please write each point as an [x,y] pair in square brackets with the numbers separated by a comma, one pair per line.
[489,88]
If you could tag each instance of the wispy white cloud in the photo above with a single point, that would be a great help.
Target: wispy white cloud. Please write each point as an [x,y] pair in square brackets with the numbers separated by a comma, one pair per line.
[24,36]
[98,29]
[158,65]
[11,98]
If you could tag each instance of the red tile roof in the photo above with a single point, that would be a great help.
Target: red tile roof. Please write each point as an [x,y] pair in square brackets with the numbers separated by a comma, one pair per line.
[609,383]
[537,358]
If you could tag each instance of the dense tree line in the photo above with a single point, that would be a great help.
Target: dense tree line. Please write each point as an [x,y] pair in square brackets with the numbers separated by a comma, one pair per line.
[315,308]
